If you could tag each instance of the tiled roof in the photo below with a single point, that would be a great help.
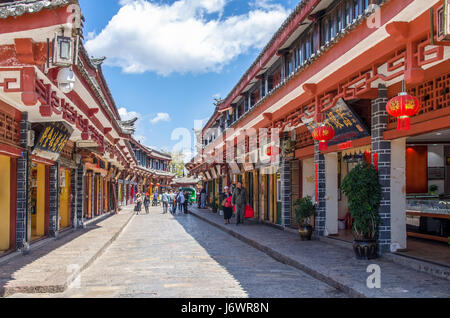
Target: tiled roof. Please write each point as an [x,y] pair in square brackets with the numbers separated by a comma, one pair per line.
[18,8]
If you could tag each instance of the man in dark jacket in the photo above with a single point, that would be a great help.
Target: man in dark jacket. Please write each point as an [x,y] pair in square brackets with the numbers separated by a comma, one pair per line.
[239,200]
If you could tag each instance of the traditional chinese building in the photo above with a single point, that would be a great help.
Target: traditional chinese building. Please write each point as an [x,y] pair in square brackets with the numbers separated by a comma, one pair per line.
[152,169]
[338,63]
[63,146]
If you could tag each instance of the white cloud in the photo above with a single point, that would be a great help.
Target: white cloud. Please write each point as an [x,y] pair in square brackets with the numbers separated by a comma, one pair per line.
[160,117]
[140,138]
[127,115]
[178,37]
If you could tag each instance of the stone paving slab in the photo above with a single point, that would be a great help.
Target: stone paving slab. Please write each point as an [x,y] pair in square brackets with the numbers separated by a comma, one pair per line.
[52,267]
[181,256]
[332,264]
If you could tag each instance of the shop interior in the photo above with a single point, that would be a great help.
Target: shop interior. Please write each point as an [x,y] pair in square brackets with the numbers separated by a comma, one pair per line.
[428,197]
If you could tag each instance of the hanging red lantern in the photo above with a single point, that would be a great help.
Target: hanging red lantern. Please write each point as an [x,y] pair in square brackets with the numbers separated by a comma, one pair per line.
[272,150]
[323,134]
[403,107]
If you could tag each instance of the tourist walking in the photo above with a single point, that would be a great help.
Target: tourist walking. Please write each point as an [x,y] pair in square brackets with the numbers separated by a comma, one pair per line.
[165,201]
[138,203]
[186,201]
[239,200]
[226,204]
[171,201]
[146,202]
[180,200]
[203,198]
[155,199]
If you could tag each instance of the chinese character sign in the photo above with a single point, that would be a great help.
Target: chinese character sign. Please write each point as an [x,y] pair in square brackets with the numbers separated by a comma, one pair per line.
[345,122]
[53,138]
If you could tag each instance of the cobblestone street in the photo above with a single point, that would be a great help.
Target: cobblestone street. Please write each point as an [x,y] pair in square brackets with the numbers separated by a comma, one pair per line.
[165,256]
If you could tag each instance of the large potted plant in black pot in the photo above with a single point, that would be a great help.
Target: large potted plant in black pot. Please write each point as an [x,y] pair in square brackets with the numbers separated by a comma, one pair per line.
[304,209]
[363,191]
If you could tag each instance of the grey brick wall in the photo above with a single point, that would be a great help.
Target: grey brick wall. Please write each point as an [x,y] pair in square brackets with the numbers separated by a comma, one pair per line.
[383,149]
[285,190]
[80,199]
[319,159]
[23,225]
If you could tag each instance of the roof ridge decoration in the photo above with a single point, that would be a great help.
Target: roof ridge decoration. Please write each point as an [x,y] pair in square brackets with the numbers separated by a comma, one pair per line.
[127,126]
[18,8]
[97,61]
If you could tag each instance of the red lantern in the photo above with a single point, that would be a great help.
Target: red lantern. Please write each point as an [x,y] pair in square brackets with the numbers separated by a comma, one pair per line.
[323,134]
[270,150]
[403,107]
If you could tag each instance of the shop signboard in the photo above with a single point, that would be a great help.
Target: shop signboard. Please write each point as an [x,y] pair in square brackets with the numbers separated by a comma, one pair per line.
[436,173]
[234,168]
[248,166]
[345,122]
[52,140]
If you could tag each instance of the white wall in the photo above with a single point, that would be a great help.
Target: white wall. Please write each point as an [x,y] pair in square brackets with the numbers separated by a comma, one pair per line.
[398,193]
[436,158]
[331,193]
[308,176]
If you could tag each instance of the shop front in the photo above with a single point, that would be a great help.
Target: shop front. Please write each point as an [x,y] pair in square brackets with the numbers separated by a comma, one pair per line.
[427,184]
[65,176]
[40,216]
[8,173]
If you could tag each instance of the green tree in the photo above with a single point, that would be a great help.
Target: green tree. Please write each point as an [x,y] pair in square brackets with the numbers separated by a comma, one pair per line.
[177,164]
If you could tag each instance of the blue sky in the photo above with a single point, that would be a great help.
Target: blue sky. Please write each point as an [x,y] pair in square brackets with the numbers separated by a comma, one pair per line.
[167,60]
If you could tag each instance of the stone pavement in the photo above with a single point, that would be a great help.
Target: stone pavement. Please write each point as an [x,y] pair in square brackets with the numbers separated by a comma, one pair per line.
[332,264]
[160,255]
[53,266]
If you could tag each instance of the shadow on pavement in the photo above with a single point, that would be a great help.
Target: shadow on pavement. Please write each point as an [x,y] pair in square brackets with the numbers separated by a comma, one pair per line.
[259,275]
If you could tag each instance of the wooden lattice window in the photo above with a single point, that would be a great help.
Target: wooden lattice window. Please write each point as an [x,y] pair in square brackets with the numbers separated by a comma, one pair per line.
[67,150]
[9,129]
[304,138]
[433,95]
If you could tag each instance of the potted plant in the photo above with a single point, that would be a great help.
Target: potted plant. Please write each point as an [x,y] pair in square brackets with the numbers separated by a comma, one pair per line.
[433,189]
[363,191]
[304,209]
[214,204]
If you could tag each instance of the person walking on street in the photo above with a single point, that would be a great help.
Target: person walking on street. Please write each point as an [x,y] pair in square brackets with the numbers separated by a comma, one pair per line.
[146,202]
[186,202]
[180,200]
[239,200]
[138,203]
[203,198]
[171,201]
[226,204]
[155,199]
[165,201]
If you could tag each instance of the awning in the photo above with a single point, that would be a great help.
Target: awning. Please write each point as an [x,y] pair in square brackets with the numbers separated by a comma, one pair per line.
[219,170]
[213,172]
[248,167]
[234,168]
[357,150]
